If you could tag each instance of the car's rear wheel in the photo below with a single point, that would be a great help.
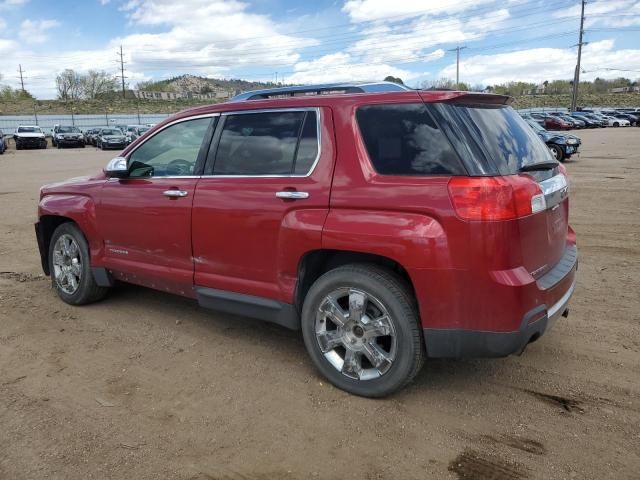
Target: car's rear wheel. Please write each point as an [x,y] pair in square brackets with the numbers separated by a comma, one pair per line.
[557,152]
[360,326]
[616,124]
[70,269]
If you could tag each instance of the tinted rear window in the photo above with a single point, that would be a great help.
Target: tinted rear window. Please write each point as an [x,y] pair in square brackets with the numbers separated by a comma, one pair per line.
[502,134]
[405,140]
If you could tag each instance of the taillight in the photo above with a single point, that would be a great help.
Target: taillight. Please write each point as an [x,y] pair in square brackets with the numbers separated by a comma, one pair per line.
[495,198]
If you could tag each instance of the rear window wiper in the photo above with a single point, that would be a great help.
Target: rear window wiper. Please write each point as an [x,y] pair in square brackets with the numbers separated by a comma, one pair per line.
[538,166]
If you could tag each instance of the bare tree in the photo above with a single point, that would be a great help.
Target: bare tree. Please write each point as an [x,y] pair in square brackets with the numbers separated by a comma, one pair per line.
[439,83]
[95,83]
[68,84]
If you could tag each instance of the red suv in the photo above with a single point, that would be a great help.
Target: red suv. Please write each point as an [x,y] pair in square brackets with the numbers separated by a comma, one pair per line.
[388,224]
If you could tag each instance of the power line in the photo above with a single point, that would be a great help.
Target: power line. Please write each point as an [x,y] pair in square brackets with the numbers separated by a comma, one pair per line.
[457,50]
[122,62]
[576,77]
[20,71]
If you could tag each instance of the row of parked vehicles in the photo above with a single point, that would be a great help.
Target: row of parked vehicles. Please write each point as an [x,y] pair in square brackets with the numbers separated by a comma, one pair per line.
[118,136]
[623,117]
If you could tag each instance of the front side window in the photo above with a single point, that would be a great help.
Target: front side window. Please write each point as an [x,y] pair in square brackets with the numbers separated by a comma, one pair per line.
[403,139]
[171,152]
[267,143]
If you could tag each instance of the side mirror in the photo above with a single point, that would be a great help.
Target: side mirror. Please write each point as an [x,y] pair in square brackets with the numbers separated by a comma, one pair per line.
[117,168]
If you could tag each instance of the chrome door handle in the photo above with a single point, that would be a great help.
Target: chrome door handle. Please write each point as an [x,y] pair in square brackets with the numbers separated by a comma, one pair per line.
[175,193]
[292,195]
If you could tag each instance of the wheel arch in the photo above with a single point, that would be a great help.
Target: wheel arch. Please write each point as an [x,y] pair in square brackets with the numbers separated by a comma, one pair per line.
[315,263]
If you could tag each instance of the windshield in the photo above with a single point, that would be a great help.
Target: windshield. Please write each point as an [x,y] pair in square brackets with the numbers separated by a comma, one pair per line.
[107,131]
[68,130]
[29,130]
[506,139]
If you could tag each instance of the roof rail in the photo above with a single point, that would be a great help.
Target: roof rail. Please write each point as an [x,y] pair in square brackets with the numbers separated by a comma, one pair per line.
[320,90]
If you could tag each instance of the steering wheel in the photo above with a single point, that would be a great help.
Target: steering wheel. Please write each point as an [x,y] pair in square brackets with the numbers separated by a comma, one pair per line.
[181,166]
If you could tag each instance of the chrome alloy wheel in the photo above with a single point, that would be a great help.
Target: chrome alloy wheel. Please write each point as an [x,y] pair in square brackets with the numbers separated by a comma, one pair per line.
[67,265]
[356,334]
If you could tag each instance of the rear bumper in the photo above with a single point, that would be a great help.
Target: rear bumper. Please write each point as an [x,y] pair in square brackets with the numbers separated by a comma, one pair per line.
[467,343]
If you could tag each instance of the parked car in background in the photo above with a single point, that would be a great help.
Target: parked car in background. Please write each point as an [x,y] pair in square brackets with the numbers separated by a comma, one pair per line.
[617,122]
[3,143]
[111,138]
[538,117]
[137,132]
[551,122]
[67,136]
[588,121]
[29,136]
[91,136]
[322,213]
[634,120]
[562,145]
[129,130]
[571,120]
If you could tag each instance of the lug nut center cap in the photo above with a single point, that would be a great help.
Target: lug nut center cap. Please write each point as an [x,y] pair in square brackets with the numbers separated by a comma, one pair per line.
[358,331]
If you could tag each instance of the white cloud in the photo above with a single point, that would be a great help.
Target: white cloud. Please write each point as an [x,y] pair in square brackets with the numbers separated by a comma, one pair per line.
[367,10]
[609,13]
[339,67]
[8,4]
[539,64]
[35,31]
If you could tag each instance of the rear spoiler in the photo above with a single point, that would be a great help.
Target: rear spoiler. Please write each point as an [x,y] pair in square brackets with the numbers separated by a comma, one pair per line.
[465,98]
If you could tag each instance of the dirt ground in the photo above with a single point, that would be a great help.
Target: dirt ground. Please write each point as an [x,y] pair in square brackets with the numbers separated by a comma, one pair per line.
[148,386]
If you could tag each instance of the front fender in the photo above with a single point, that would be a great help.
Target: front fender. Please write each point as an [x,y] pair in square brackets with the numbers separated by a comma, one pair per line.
[82,210]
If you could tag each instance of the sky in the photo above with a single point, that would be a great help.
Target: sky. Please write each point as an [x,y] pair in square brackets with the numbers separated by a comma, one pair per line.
[317,41]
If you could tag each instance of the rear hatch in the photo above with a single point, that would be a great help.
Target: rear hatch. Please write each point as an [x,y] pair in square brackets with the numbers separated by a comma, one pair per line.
[507,160]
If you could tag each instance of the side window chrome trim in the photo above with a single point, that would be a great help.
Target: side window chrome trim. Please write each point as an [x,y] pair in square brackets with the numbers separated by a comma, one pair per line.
[170,124]
[318,112]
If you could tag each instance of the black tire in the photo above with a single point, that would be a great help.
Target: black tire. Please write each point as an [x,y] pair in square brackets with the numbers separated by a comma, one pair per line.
[392,292]
[557,152]
[18,146]
[87,291]
[616,124]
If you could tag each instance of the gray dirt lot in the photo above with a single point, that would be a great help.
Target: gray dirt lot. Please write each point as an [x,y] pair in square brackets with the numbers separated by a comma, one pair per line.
[146,386]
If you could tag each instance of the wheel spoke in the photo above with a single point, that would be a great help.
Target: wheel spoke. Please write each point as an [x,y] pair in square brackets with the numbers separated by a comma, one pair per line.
[73,249]
[328,340]
[378,327]
[351,366]
[71,280]
[378,357]
[76,268]
[356,305]
[57,258]
[334,311]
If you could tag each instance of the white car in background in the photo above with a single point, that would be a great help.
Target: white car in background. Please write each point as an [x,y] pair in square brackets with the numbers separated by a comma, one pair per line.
[29,136]
[617,122]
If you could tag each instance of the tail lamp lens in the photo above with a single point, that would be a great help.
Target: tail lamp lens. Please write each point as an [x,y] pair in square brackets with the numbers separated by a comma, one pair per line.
[495,198]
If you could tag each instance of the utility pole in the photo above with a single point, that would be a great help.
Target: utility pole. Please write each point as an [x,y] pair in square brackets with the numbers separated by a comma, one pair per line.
[20,71]
[457,50]
[122,62]
[576,76]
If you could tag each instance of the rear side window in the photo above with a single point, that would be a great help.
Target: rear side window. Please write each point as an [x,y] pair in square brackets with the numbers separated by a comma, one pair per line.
[267,143]
[405,140]
[509,143]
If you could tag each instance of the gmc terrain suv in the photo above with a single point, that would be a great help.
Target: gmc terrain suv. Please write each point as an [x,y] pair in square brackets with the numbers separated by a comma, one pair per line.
[388,224]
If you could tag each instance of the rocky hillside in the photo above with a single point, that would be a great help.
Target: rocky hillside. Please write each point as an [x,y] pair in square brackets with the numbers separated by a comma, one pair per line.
[196,84]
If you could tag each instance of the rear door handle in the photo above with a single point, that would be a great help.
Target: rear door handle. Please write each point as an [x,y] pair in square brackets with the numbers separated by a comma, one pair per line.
[292,195]
[175,193]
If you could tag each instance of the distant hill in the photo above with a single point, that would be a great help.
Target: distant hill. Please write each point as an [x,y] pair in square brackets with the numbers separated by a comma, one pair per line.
[196,84]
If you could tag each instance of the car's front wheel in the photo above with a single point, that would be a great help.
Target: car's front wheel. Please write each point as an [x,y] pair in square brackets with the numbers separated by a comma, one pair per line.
[70,268]
[361,328]
[557,152]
